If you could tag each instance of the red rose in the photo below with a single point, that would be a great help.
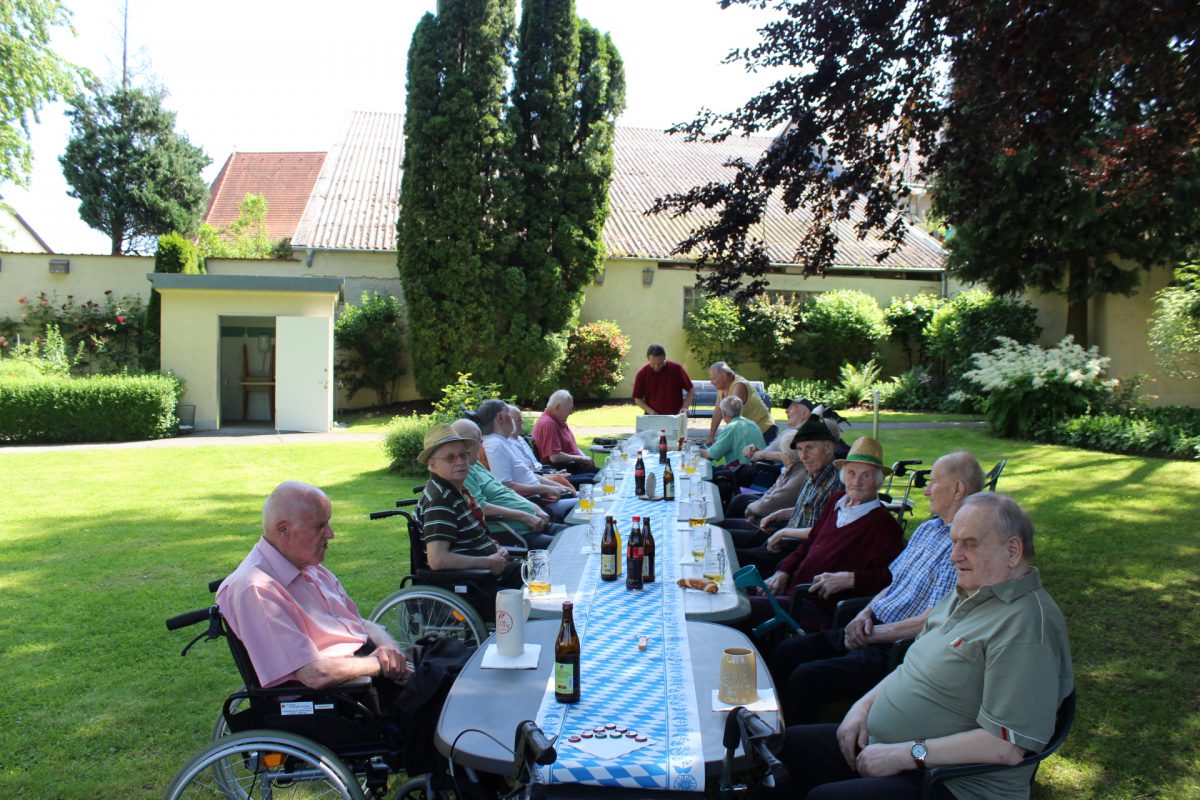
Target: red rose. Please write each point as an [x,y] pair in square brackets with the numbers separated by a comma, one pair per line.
[22,299]
[120,319]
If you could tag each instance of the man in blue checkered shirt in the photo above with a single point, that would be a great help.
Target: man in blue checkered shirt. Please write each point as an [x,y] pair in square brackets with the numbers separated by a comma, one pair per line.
[846,662]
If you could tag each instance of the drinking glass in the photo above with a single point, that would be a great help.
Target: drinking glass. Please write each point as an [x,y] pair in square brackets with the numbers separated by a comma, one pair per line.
[609,479]
[739,677]
[587,498]
[700,542]
[714,565]
[535,572]
[697,513]
[595,530]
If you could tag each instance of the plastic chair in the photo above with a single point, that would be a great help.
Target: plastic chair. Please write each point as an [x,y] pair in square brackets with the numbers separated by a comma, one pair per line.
[1062,726]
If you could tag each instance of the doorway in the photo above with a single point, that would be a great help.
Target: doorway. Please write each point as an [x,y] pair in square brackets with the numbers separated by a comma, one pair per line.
[247,368]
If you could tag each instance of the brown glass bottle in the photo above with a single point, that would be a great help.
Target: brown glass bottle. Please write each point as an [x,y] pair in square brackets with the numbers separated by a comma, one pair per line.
[608,551]
[668,482]
[566,658]
[648,550]
[635,556]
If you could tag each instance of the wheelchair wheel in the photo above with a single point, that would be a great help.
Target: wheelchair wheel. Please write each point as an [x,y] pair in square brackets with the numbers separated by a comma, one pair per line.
[413,612]
[264,764]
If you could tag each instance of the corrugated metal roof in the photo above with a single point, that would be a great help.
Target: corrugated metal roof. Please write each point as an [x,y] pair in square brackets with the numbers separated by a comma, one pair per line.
[354,203]
[285,179]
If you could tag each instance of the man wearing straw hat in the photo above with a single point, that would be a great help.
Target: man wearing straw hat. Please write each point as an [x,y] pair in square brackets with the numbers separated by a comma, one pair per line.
[847,552]
[452,523]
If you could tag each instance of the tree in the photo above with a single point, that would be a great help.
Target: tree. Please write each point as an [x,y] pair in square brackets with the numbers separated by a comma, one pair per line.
[245,237]
[135,177]
[1175,325]
[453,283]
[1094,117]
[33,75]
[569,88]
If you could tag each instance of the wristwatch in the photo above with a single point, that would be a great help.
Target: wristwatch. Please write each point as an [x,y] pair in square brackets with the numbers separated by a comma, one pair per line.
[919,751]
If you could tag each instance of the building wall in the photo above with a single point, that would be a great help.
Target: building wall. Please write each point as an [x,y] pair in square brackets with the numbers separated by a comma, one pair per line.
[27,274]
[14,236]
[654,313]
[191,335]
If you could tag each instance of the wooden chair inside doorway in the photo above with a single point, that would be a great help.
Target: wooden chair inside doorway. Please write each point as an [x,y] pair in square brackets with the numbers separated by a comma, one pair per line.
[257,383]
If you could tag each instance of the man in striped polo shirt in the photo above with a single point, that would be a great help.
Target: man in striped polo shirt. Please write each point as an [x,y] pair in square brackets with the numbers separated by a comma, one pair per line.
[452,522]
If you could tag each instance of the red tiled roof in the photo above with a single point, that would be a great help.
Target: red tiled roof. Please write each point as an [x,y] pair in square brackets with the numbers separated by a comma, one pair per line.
[285,179]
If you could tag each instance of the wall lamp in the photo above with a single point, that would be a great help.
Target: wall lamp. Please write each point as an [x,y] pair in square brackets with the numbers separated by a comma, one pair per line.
[60,266]
[648,276]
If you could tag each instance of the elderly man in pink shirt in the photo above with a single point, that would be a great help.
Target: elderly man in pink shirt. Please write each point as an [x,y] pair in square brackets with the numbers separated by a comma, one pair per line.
[554,440]
[292,614]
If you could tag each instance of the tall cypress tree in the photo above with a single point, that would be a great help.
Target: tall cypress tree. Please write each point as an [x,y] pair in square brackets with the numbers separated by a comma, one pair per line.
[568,89]
[457,66]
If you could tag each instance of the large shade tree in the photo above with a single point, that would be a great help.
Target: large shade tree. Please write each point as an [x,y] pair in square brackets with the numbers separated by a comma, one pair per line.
[135,176]
[1061,138]
[32,75]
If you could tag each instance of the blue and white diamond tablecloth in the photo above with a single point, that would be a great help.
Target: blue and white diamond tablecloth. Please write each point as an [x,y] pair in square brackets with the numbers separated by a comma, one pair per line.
[650,691]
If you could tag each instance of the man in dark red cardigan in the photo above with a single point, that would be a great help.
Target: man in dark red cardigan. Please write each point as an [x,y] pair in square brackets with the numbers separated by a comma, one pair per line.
[847,552]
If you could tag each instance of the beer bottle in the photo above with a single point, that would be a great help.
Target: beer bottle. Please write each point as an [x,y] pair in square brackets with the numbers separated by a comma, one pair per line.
[662,445]
[635,556]
[639,476]
[608,551]
[668,482]
[566,658]
[648,552]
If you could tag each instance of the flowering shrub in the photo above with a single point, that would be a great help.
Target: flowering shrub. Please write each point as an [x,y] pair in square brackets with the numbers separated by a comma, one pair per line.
[974,322]
[595,356]
[109,334]
[1027,389]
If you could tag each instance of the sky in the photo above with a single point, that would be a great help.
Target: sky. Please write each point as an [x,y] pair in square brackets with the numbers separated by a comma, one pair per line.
[264,75]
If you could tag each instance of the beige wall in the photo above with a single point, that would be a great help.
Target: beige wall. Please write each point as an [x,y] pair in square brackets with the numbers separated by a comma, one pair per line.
[14,236]
[26,274]
[191,335]
[654,313]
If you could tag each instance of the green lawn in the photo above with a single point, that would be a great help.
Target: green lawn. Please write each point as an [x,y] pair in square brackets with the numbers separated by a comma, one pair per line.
[100,546]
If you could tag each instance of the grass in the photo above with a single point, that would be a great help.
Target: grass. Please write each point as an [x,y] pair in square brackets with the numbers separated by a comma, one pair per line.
[98,547]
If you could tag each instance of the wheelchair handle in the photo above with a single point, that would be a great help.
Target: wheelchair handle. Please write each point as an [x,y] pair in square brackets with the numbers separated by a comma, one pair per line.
[386,514]
[186,619]
[900,468]
[532,746]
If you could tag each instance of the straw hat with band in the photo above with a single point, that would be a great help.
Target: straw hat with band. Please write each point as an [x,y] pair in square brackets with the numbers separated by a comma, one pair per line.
[437,436]
[865,450]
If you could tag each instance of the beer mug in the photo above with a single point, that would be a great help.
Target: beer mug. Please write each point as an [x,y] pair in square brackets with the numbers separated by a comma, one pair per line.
[595,530]
[739,677]
[714,565]
[700,542]
[512,609]
[535,572]
[587,498]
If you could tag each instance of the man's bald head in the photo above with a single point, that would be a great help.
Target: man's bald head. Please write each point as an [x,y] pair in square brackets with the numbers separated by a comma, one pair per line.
[296,522]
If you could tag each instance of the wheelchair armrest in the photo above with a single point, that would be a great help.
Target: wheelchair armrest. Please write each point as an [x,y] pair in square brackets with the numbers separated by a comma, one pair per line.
[899,649]
[452,575]
[848,609]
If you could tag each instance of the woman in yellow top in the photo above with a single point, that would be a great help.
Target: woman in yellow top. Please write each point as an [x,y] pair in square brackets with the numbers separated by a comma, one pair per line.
[729,383]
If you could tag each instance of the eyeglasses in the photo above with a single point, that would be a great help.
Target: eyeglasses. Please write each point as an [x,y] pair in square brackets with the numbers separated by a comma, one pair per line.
[450,458]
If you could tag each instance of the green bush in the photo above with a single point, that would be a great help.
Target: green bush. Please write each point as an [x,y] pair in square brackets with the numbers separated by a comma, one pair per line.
[404,440]
[461,396]
[106,408]
[973,322]
[822,392]
[914,390]
[908,317]
[839,326]
[176,254]
[370,338]
[1028,389]
[771,334]
[713,330]
[595,354]
[858,383]
[13,369]
[110,333]
[1174,430]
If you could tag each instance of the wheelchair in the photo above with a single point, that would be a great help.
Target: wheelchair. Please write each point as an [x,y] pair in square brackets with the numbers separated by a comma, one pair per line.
[452,603]
[291,741]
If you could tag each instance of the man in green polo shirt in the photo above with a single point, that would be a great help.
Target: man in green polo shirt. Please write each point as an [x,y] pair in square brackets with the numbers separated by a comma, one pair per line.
[736,436]
[981,684]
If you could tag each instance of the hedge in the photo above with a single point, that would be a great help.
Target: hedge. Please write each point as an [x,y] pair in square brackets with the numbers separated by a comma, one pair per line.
[1172,431]
[106,408]
[404,441]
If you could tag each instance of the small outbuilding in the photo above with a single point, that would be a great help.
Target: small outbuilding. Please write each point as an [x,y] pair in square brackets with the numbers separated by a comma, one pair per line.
[251,349]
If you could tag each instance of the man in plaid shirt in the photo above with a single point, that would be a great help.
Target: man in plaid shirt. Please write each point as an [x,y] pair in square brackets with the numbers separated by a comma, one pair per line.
[846,662]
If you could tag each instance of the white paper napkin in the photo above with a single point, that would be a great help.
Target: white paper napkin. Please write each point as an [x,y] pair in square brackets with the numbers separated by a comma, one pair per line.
[765,702]
[527,660]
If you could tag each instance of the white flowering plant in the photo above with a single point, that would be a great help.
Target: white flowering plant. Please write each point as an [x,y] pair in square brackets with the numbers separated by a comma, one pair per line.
[1026,389]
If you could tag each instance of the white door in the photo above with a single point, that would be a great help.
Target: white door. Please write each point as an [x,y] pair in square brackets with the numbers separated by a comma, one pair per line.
[304,374]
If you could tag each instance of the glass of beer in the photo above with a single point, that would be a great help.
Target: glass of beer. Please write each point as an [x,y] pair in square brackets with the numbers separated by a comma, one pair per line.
[587,499]
[714,565]
[535,572]
[609,479]
[697,513]
[700,542]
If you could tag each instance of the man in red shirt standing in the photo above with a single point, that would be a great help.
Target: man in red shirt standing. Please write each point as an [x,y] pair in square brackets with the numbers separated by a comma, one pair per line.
[662,386]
